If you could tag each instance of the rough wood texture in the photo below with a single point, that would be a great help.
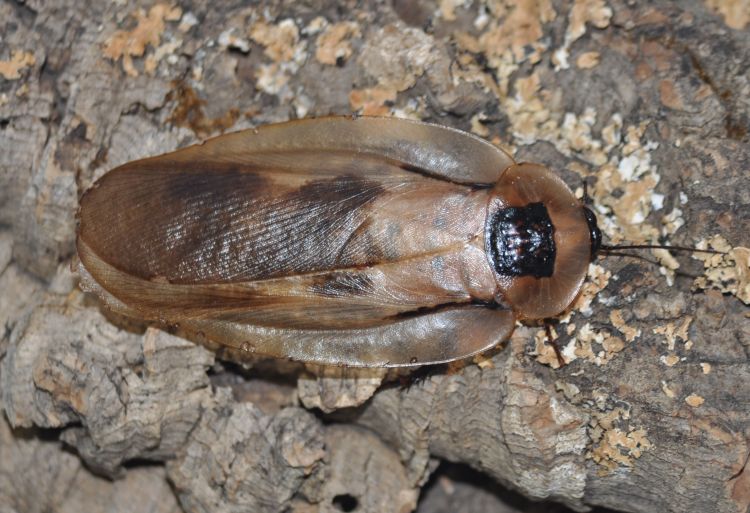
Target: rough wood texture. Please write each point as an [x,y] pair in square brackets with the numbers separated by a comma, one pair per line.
[651,103]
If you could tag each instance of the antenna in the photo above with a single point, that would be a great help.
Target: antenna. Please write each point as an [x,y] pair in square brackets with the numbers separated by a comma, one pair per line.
[587,200]
[596,236]
[608,248]
[677,272]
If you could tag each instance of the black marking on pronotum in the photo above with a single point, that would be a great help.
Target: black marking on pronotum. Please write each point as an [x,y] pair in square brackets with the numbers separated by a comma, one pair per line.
[521,241]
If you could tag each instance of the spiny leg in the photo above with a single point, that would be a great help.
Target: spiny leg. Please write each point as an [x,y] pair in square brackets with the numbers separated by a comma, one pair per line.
[551,341]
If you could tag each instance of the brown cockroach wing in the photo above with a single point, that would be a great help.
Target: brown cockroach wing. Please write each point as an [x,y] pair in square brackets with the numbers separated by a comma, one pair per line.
[439,337]
[443,334]
[353,241]
[442,152]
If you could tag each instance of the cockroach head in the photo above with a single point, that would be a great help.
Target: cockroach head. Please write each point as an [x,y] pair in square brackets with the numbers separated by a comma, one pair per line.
[594,232]
[538,239]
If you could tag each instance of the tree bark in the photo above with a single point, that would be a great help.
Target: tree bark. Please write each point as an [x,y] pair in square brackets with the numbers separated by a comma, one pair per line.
[650,104]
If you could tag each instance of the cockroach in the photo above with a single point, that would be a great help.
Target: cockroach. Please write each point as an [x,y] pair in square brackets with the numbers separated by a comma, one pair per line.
[368,242]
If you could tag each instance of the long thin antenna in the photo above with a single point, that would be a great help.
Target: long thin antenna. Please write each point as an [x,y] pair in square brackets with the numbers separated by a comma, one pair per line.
[631,255]
[586,197]
[652,262]
[606,247]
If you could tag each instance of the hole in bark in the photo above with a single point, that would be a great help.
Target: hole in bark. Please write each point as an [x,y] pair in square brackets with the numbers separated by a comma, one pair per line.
[345,502]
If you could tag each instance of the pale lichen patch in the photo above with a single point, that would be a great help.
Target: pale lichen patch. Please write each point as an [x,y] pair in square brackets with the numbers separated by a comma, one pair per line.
[728,272]
[281,42]
[593,12]
[477,125]
[165,50]
[569,390]
[576,137]
[616,443]
[628,169]
[11,69]
[598,279]
[514,26]
[316,25]
[334,43]
[271,78]
[187,22]
[395,57]
[372,101]
[672,332]
[532,120]
[632,173]
[619,448]
[447,8]
[669,264]
[597,346]
[706,367]
[529,116]
[616,318]
[569,351]
[736,13]
[483,361]
[672,222]
[587,60]
[667,391]
[512,33]
[231,38]
[694,400]
[127,44]
[613,345]
[612,132]
[543,350]
[282,45]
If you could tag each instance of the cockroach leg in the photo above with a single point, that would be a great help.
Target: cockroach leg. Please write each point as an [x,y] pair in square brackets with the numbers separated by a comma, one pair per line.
[419,375]
[551,341]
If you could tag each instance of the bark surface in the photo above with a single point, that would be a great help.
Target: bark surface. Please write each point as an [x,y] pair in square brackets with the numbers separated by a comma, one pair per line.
[649,103]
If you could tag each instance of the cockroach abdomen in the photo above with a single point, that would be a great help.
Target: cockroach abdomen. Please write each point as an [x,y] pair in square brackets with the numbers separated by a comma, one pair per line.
[521,241]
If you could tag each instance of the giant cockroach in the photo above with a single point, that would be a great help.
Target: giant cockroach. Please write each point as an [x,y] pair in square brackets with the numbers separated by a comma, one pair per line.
[353,241]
